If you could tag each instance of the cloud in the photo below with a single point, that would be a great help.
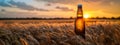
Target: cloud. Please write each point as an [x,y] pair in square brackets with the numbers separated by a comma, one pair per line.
[104,2]
[48,4]
[75,2]
[62,1]
[17,14]
[4,3]
[114,11]
[26,15]
[20,5]
[25,6]
[3,10]
[64,8]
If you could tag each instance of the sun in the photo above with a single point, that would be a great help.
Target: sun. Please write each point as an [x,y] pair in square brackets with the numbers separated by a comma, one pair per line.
[86,15]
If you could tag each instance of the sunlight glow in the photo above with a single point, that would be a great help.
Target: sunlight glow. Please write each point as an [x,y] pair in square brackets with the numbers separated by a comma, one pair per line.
[86,15]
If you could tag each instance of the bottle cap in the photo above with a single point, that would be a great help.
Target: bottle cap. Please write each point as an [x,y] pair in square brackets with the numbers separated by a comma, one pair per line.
[79,5]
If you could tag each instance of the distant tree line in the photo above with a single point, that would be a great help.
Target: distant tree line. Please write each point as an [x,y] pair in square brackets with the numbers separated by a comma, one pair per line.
[35,18]
[105,17]
[57,18]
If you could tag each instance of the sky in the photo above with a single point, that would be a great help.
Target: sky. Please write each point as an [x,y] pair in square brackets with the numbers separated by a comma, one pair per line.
[58,8]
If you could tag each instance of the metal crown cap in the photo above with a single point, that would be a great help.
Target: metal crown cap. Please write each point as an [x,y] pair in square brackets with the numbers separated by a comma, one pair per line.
[79,5]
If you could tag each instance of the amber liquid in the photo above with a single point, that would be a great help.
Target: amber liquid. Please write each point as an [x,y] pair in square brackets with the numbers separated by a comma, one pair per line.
[80,27]
[80,23]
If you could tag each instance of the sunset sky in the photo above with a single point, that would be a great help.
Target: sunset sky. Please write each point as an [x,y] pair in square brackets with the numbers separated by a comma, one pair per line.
[58,8]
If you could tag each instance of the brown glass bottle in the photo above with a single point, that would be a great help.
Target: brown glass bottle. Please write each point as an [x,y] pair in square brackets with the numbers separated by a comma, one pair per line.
[80,23]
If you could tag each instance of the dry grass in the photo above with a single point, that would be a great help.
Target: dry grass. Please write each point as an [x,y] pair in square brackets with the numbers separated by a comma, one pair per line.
[58,33]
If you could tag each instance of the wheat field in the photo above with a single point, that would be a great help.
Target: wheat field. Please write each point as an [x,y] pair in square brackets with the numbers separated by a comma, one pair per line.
[54,32]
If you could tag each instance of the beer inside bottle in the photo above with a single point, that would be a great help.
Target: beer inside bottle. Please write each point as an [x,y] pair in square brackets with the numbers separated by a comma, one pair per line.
[80,23]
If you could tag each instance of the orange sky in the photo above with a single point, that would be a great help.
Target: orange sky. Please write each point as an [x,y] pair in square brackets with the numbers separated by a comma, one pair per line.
[58,8]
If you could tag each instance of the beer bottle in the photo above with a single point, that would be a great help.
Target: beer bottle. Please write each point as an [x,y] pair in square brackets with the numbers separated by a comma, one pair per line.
[79,22]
